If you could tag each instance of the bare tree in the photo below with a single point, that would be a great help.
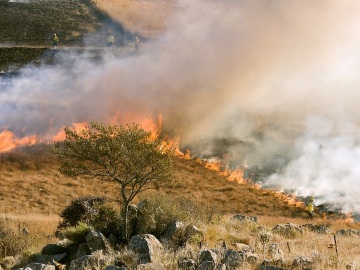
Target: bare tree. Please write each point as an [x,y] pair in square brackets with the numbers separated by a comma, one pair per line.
[125,154]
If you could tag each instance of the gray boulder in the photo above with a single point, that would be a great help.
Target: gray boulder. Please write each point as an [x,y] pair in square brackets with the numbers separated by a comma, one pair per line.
[145,245]
[97,241]
[233,259]
[206,265]
[113,267]
[245,218]
[151,266]
[53,249]
[207,255]
[289,230]
[175,232]
[39,266]
[82,250]
[321,229]
[186,264]
[302,262]
[46,259]
[90,262]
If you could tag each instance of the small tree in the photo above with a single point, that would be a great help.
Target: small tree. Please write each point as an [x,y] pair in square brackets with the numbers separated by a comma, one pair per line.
[125,154]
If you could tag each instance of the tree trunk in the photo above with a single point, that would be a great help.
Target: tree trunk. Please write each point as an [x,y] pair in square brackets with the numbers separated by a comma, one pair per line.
[124,215]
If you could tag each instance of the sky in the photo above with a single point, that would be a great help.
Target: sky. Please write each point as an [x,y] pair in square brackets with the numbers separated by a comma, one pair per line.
[270,83]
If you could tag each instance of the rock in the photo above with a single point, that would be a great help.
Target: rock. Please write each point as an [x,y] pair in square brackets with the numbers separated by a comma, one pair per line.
[242,247]
[186,264]
[53,249]
[252,258]
[275,253]
[348,232]
[270,267]
[245,218]
[151,266]
[207,255]
[175,231]
[46,259]
[90,262]
[321,229]
[97,241]
[82,250]
[302,262]
[233,258]
[288,230]
[39,266]
[206,265]
[8,262]
[350,266]
[145,245]
[113,267]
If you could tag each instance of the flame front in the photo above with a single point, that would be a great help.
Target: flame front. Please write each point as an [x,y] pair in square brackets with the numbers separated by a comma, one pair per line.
[9,141]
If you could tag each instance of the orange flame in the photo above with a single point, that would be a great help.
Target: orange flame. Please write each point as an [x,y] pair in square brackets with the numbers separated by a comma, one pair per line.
[9,141]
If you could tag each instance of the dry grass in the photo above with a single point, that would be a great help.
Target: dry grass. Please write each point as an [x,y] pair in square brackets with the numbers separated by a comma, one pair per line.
[145,17]
[34,193]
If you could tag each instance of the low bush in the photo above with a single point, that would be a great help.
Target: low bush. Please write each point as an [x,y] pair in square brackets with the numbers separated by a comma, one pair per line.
[82,209]
[77,233]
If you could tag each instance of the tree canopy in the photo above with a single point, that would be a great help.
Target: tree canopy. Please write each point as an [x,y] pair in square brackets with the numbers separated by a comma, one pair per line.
[125,154]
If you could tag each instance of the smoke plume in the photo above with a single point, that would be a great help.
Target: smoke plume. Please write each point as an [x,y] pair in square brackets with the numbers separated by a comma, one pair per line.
[273,84]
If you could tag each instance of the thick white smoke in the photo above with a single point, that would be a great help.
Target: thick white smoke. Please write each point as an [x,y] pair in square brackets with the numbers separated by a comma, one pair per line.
[248,76]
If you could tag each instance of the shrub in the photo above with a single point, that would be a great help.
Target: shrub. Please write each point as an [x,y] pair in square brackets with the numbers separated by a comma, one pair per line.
[82,209]
[107,221]
[77,233]
[155,214]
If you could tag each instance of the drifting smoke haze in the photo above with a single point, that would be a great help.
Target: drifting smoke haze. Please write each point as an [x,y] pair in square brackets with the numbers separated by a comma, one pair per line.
[275,83]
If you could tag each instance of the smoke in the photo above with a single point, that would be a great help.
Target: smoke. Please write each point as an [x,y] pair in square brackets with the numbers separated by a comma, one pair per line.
[273,84]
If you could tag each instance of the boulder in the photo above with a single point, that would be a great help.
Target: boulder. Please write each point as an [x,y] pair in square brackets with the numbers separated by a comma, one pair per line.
[46,259]
[348,232]
[97,241]
[289,230]
[207,255]
[39,266]
[113,267]
[252,258]
[186,264]
[233,258]
[321,229]
[242,247]
[151,266]
[302,262]
[145,245]
[175,231]
[206,265]
[82,250]
[275,253]
[53,249]
[91,262]
[245,218]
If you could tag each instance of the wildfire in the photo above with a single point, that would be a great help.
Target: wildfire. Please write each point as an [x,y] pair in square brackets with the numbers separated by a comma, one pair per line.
[9,141]
[231,175]
[289,198]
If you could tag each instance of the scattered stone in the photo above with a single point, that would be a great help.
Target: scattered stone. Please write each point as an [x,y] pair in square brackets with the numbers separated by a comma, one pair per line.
[321,229]
[53,249]
[145,245]
[288,230]
[302,262]
[348,232]
[245,218]
[97,241]
[350,266]
[233,258]
[82,250]
[252,258]
[206,265]
[207,255]
[39,266]
[87,262]
[151,266]
[186,264]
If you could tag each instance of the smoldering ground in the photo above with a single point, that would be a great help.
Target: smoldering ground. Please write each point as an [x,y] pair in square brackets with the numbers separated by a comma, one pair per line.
[268,83]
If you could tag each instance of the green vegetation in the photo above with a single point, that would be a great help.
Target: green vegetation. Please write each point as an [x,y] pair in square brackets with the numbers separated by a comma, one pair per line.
[124,154]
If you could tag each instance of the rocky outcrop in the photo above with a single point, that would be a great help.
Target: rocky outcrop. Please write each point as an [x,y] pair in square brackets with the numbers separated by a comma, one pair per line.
[145,245]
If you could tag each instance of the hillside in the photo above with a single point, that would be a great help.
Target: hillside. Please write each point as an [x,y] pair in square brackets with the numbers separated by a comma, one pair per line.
[31,183]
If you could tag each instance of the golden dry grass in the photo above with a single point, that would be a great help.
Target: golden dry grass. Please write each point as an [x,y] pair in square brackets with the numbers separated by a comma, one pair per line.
[146,17]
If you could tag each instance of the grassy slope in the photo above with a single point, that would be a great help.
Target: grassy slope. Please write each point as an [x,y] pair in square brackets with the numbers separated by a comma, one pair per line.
[31,183]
